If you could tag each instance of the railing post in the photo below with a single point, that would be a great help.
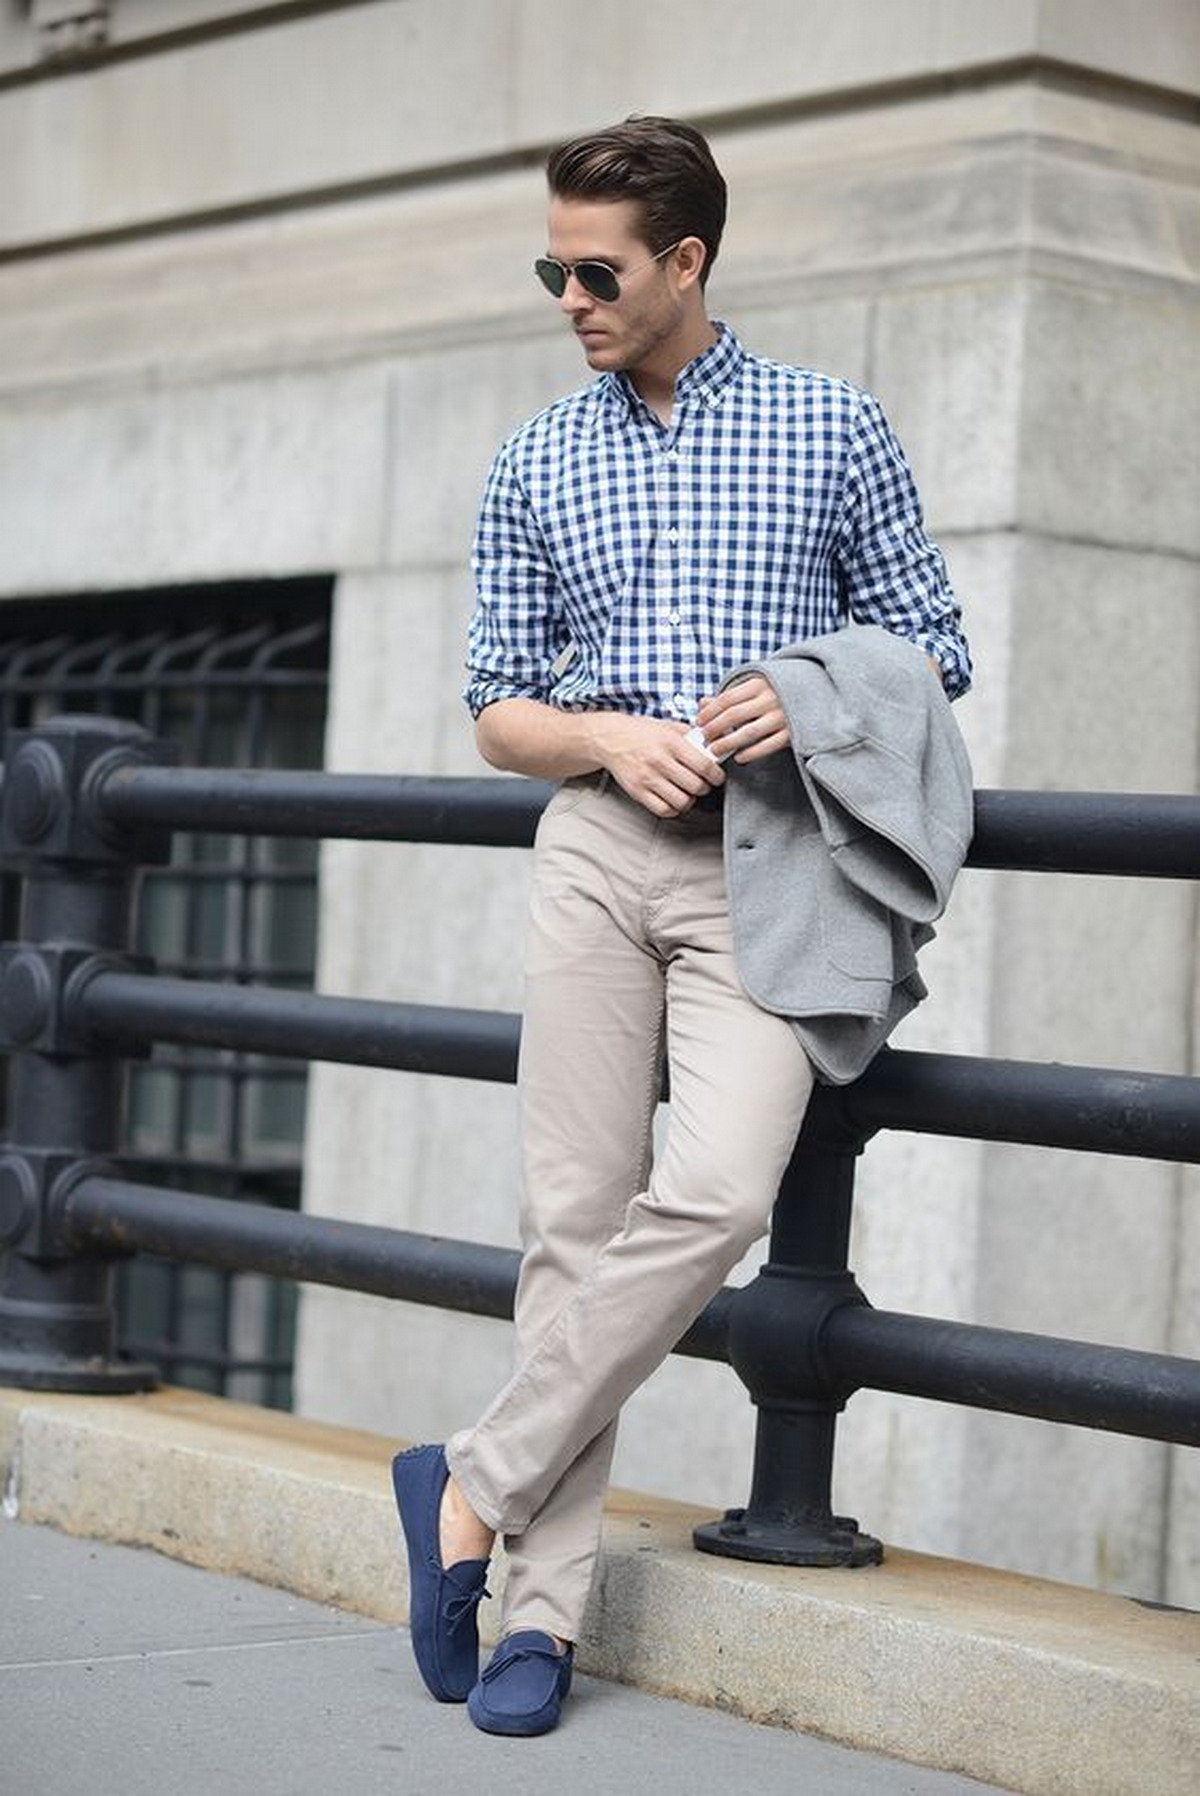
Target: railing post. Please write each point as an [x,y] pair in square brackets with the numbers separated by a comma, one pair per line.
[65,1096]
[775,1345]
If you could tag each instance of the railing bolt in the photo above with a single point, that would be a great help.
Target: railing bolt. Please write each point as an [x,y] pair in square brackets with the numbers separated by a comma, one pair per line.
[18,1195]
[25,996]
[34,790]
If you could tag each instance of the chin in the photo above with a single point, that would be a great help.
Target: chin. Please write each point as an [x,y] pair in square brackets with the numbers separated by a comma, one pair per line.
[606,348]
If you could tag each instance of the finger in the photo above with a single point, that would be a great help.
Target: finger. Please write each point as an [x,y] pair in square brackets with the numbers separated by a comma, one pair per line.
[652,802]
[746,733]
[709,708]
[747,711]
[682,780]
[752,730]
[737,733]
[737,694]
[676,788]
[755,704]
[709,772]
[693,764]
[768,745]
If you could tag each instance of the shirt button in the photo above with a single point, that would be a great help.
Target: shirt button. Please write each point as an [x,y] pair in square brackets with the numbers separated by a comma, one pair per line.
[681,704]
[672,617]
[672,535]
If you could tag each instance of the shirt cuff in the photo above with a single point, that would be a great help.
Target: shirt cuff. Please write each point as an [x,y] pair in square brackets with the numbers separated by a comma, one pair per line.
[953,661]
[485,690]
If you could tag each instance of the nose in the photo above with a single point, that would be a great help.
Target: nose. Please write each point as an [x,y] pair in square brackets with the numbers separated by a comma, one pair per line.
[575,298]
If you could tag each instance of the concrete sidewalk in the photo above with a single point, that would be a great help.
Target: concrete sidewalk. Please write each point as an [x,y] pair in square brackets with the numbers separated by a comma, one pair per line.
[1021,1684]
[123,1671]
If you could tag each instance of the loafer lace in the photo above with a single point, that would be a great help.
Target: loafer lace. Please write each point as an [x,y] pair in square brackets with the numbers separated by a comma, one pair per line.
[463,1605]
[502,1663]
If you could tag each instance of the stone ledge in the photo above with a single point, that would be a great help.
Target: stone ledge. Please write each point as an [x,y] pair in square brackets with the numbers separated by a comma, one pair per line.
[1039,1687]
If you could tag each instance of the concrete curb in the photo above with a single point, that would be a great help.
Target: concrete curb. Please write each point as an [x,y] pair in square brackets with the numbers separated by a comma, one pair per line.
[1039,1687]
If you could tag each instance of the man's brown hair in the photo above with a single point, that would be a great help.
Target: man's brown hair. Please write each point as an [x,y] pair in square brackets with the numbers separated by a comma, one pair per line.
[663,165]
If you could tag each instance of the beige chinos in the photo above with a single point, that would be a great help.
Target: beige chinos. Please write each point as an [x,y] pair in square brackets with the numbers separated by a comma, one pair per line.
[629,951]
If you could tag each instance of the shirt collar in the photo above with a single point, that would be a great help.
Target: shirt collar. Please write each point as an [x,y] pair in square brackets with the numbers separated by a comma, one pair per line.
[705,377]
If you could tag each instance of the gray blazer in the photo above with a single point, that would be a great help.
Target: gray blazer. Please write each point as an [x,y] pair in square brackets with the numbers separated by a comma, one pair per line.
[840,855]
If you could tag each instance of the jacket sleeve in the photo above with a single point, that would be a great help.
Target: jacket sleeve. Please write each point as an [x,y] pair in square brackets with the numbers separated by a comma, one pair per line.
[891,573]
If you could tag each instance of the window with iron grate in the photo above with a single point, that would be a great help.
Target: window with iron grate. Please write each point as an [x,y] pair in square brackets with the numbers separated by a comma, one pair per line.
[237,675]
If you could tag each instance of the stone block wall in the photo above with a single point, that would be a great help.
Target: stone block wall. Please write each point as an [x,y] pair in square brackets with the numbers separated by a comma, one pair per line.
[265,308]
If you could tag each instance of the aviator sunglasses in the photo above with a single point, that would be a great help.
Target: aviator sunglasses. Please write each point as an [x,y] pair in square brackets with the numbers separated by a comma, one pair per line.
[596,278]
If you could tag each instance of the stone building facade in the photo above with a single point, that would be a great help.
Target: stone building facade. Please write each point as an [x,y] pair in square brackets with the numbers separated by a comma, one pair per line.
[266,309]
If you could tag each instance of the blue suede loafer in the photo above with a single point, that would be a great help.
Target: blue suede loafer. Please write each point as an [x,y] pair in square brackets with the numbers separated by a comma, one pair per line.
[523,1685]
[442,1600]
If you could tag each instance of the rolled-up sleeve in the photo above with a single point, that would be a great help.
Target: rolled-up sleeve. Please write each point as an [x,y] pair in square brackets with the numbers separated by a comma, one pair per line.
[516,630]
[892,573]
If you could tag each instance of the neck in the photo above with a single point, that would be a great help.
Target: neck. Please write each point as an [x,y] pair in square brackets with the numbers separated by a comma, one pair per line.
[655,377]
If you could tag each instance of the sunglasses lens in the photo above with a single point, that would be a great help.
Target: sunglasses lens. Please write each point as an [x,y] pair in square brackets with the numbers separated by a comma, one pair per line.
[598,280]
[552,275]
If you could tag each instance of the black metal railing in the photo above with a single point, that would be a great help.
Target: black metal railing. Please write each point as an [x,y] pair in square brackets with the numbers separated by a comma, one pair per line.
[236,673]
[86,802]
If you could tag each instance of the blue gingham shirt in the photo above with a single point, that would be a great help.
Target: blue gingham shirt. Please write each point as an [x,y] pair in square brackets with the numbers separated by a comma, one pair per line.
[777,505]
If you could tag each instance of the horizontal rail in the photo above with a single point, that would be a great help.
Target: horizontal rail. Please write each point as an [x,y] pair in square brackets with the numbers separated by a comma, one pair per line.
[1092,1109]
[1152,1395]
[1151,1115]
[1151,835]
[235,1236]
[1148,835]
[488,813]
[1114,1388]
[138,1008]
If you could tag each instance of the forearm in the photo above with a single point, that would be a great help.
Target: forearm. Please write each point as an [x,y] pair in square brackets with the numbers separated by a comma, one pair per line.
[523,735]
[649,757]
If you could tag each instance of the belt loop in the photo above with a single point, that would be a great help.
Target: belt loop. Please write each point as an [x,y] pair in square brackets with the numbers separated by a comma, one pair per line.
[602,782]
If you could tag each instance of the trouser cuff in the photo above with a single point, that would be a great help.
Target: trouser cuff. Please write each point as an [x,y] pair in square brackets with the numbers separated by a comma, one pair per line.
[463,1473]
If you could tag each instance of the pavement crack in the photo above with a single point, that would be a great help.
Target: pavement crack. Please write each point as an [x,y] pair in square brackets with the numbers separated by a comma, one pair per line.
[186,1652]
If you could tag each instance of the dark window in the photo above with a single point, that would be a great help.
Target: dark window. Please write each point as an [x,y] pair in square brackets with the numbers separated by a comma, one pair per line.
[237,675]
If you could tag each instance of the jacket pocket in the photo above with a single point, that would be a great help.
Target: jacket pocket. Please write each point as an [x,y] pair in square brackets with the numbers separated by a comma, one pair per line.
[856,929]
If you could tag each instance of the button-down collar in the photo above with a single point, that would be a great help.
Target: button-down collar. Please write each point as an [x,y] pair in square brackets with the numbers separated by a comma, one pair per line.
[706,377]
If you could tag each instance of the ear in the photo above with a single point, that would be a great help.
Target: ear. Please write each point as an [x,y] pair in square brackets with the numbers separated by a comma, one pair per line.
[690,257]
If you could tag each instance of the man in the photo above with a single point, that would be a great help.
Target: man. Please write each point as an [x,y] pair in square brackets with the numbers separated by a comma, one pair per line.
[693,509]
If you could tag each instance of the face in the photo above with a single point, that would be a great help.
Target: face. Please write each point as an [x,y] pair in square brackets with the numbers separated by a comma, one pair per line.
[631,330]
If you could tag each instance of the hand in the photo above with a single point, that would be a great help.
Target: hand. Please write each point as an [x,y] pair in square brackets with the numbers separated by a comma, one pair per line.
[745,721]
[652,760]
